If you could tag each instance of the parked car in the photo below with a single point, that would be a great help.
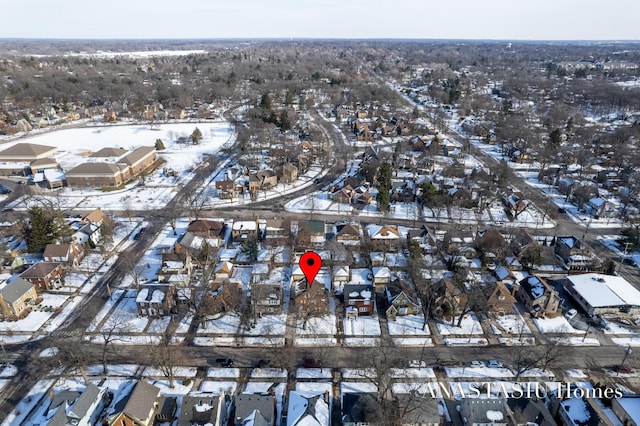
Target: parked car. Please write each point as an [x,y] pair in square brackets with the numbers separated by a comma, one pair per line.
[416,363]
[312,363]
[571,313]
[624,369]
[476,363]
[492,363]
[224,362]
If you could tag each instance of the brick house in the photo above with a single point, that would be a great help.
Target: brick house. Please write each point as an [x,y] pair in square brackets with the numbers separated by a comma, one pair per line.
[155,300]
[44,275]
[313,300]
[359,299]
[348,233]
[262,180]
[384,238]
[538,297]
[500,300]
[16,297]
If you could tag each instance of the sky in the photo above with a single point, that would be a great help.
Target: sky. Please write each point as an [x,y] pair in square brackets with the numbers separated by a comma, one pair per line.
[344,19]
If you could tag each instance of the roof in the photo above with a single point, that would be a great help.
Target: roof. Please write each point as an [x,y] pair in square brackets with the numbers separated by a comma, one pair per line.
[108,169]
[40,269]
[109,152]
[96,216]
[138,154]
[57,250]
[535,287]
[631,405]
[248,403]
[201,408]
[141,401]
[356,407]
[205,225]
[86,400]
[314,226]
[601,291]
[27,151]
[386,232]
[40,162]
[308,409]
[15,290]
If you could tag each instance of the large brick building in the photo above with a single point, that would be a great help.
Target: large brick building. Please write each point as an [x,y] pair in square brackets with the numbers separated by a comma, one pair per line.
[101,174]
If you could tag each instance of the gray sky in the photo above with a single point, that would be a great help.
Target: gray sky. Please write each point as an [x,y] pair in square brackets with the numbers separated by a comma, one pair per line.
[439,19]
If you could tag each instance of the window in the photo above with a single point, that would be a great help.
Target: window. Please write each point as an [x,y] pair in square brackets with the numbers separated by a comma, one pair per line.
[352,302]
[274,302]
[363,310]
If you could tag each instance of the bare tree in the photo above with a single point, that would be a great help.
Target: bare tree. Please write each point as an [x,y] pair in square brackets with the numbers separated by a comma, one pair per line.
[111,332]
[164,357]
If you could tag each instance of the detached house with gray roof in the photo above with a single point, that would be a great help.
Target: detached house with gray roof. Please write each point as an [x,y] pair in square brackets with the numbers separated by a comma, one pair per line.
[16,297]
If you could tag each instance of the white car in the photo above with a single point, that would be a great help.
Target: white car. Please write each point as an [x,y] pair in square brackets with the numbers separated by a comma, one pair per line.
[571,313]
[476,363]
[492,363]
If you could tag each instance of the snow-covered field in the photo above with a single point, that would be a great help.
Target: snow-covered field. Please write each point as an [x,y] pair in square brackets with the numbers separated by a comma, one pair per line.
[469,325]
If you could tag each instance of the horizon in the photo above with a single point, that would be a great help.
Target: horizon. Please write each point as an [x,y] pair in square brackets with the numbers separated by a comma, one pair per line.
[314,19]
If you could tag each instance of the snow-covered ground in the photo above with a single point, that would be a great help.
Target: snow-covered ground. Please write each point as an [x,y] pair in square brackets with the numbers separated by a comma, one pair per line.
[558,324]
[469,326]
[158,190]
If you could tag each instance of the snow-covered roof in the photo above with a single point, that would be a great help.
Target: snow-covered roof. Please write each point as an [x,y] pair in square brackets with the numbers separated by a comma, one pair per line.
[381,272]
[307,408]
[632,407]
[245,225]
[600,290]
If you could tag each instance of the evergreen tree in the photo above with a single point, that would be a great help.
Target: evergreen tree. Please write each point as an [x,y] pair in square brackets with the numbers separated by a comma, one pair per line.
[288,98]
[160,144]
[384,186]
[265,101]
[250,249]
[196,136]
[45,227]
[284,122]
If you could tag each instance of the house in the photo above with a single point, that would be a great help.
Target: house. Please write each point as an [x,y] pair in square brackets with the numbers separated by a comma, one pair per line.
[528,410]
[311,233]
[155,300]
[255,409]
[44,275]
[381,276]
[520,242]
[425,237]
[277,230]
[312,300]
[222,271]
[450,299]
[308,408]
[69,254]
[514,202]
[88,233]
[224,297]
[96,217]
[600,294]
[244,230]
[500,300]
[204,408]
[537,296]
[175,268]
[455,239]
[349,233]
[262,180]
[227,189]
[206,228]
[266,299]
[259,272]
[384,238]
[144,407]
[78,409]
[627,409]
[341,275]
[491,243]
[484,411]
[288,173]
[342,195]
[574,256]
[359,299]
[401,301]
[360,409]
[16,298]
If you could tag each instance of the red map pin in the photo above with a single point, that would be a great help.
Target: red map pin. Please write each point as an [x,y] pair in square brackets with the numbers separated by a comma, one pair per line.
[310,264]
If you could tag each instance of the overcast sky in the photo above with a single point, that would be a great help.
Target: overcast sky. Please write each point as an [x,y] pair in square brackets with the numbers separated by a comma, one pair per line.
[430,19]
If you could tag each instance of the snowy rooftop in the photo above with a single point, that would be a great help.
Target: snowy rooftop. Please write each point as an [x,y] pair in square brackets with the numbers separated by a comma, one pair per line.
[600,290]
[246,225]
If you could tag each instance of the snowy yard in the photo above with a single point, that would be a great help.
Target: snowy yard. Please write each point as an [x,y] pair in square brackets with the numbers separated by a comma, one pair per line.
[558,324]
[469,326]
